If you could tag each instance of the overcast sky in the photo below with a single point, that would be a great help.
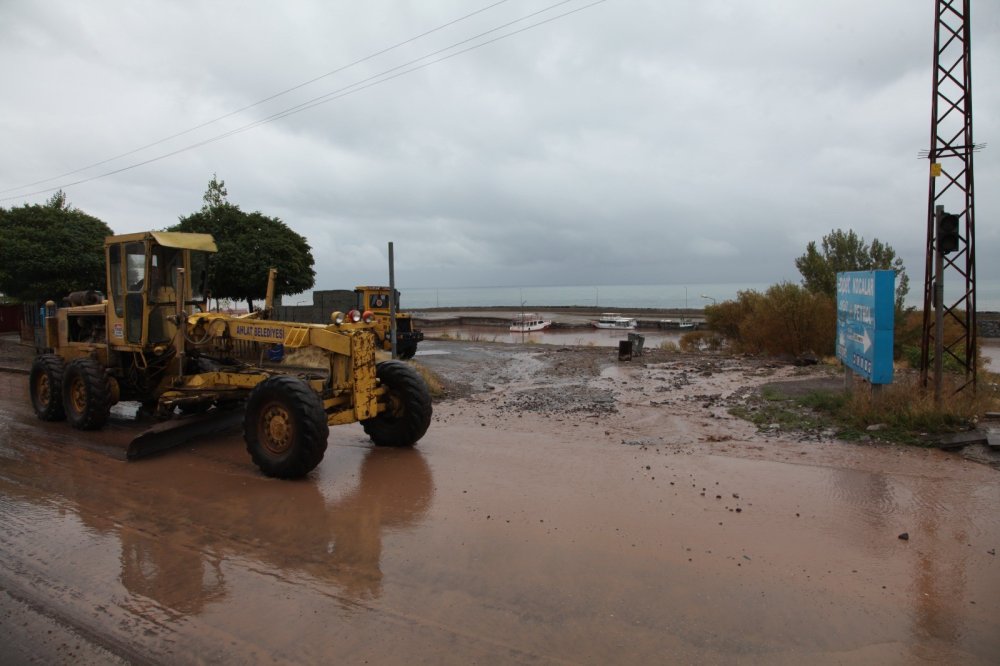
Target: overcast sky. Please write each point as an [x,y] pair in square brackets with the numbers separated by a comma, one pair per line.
[631,142]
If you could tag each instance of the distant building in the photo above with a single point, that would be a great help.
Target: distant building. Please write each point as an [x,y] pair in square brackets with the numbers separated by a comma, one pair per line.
[318,312]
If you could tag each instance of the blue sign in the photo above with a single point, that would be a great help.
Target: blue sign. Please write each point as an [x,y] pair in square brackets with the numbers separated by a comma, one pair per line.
[865,320]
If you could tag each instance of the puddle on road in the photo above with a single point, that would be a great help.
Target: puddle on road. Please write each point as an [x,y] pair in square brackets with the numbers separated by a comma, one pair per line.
[532,539]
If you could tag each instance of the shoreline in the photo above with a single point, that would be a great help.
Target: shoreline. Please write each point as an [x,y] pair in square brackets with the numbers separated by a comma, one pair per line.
[563,317]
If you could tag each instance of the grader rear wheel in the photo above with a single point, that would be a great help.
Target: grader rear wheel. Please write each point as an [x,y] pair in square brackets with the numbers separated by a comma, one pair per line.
[86,394]
[45,383]
[285,427]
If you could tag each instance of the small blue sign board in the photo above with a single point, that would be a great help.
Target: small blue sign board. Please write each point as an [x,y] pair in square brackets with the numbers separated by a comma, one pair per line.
[865,321]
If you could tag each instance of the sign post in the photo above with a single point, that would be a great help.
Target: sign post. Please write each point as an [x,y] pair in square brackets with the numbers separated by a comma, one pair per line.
[865,323]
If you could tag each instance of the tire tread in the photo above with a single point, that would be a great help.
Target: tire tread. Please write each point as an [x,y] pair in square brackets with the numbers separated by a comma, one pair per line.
[409,387]
[312,427]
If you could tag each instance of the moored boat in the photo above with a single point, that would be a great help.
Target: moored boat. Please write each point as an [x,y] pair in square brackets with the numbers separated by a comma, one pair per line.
[614,320]
[677,324]
[526,322]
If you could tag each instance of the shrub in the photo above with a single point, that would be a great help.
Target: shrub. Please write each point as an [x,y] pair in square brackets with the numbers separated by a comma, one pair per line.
[786,319]
[907,340]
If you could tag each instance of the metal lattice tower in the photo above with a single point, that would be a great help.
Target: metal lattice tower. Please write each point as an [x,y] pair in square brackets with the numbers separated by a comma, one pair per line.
[951,186]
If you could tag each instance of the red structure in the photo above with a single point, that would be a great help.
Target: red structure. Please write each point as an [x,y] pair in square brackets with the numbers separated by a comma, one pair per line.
[11,317]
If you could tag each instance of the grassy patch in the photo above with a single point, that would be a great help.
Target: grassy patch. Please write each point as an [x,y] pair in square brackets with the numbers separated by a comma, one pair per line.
[775,412]
[434,382]
[902,412]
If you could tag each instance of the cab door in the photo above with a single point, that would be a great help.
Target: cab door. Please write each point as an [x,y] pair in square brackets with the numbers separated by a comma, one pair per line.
[126,286]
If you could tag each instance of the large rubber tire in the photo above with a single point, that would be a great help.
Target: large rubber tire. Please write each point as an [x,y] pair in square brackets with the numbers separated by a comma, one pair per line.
[45,384]
[86,394]
[409,413]
[406,352]
[285,427]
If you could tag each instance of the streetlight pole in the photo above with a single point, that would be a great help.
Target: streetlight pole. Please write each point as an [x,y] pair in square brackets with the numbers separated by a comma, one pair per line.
[707,297]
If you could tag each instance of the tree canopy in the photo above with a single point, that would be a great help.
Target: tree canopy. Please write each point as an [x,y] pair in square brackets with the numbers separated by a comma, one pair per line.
[846,251]
[249,244]
[49,250]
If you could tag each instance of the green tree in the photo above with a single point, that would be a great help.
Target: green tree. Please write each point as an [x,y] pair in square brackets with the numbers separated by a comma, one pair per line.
[249,244]
[49,250]
[216,193]
[846,251]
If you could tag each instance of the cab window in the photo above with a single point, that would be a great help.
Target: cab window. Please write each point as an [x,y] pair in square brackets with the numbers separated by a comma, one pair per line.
[115,277]
[163,274]
[135,266]
[199,275]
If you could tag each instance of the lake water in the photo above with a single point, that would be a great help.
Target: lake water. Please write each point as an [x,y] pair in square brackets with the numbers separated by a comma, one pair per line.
[592,337]
[580,337]
[661,296]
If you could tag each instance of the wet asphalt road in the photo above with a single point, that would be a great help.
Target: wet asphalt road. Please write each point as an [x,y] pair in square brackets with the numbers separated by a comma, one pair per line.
[520,530]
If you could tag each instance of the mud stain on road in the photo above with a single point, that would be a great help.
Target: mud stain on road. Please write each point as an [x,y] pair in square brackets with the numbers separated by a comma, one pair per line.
[557,513]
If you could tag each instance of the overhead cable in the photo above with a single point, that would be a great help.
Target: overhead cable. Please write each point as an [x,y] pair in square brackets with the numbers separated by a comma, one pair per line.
[358,86]
[261,101]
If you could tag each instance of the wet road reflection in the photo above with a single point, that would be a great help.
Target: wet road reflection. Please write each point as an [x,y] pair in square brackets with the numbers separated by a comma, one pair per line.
[174,545]
[884,505]
[290,529]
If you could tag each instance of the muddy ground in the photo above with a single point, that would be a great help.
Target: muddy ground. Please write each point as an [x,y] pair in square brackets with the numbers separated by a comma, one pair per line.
[563,508]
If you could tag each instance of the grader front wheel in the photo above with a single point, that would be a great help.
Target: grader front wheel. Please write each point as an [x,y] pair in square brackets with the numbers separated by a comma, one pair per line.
[409,406]
[285,427]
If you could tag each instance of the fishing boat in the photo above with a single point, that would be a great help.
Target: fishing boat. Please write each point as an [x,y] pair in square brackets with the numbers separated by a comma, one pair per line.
[685,324]
[526,322]
[677,324]
[614,320]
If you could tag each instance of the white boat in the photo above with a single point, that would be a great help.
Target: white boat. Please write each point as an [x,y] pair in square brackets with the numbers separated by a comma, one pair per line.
[677,324]
[527,322]
[616,321]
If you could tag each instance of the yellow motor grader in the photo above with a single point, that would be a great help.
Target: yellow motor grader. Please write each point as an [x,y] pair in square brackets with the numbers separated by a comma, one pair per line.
[376,301]
[154,341]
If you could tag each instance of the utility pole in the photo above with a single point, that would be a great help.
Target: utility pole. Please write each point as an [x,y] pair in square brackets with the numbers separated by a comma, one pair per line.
[392,301]
[950,189]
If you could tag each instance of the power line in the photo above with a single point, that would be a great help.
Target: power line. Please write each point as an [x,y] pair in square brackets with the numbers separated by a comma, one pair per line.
[337,94]
[382,76]
[262,101]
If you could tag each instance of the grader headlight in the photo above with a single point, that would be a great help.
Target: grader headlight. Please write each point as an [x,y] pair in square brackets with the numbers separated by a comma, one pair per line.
[354,316]
[337,318]
[368,316]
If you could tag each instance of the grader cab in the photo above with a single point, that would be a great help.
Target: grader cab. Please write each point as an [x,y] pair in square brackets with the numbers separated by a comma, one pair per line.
[154,341]
[376,301]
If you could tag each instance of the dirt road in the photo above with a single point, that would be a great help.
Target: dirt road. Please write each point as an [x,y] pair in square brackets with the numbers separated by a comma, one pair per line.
[563,508]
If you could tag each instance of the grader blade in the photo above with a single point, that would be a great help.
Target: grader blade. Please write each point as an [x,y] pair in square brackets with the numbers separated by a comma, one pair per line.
[176,432]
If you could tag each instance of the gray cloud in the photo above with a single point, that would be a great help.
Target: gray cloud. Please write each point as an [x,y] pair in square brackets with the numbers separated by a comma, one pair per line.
[630,142]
